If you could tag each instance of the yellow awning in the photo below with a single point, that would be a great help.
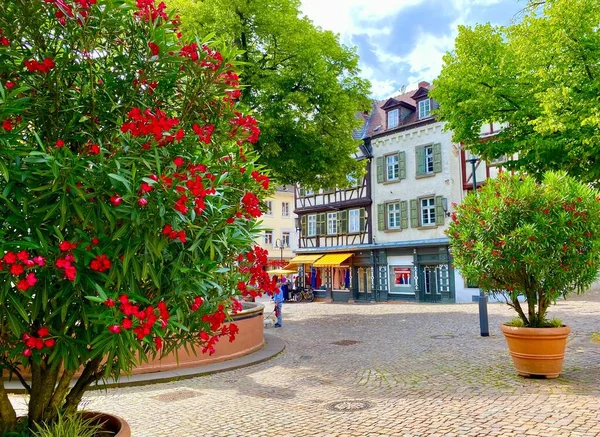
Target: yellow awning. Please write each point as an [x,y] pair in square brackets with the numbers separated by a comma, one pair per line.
[281,272]
[291,267]
[332,259]
[305,259]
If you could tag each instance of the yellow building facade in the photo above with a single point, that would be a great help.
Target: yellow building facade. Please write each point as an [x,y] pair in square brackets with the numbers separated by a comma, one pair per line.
[279,235]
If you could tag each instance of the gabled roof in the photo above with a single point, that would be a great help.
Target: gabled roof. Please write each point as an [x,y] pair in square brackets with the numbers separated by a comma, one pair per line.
[377,122]
[421,93]
[390,103]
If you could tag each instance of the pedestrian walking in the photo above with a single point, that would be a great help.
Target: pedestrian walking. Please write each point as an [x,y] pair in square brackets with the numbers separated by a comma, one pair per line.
[278,299]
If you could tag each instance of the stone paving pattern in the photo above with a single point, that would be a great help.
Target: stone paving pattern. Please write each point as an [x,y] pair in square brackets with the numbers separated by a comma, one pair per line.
[423,370]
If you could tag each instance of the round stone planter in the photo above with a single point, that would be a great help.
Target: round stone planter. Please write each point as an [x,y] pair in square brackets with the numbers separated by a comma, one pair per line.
[537,351]
[249,339]
[114,424]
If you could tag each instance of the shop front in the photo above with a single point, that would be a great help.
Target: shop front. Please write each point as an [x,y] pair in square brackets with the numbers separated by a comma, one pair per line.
[331,276]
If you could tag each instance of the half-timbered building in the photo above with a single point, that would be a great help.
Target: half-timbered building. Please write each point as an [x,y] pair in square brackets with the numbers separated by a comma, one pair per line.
[336,232]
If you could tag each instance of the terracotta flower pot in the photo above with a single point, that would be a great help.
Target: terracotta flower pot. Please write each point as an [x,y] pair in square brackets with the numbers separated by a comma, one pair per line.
[537,351]
[115,424]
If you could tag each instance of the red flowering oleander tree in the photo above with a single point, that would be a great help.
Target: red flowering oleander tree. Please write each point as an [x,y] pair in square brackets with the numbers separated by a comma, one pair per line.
[518,237]
[128,195]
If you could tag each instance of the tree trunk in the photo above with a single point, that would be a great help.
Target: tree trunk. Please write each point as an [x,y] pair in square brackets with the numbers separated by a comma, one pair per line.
[39,402]
[8,416]
[89,375]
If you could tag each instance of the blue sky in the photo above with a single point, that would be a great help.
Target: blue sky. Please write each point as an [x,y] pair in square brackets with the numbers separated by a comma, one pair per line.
[401,42]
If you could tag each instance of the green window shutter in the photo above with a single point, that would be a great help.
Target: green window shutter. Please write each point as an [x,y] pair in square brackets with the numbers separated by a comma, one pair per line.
[363,220]
[304,225]
[301,191]
[437,158]
[380,169]
[320,223]
[402,165]
[414,213]
[404,214]
[420,160]
[342,218]
[381,217]
[439,211]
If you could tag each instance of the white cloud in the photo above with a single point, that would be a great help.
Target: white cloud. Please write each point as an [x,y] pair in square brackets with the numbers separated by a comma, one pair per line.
[425,59]
[342,16]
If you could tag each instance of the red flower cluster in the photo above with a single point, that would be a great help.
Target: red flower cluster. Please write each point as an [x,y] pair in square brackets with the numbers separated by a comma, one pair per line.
[198,301]
[174,235]
[148,11]
[213,59]
[154,49]
[204,133]
[146,123]
[43,67]
[19,263]
[246,124]
[254,263]
[261,179]
[37,341]
[101,263]
[251,204]
[4,41]
[140,320]
[190,51]
[66,263]
[10,123]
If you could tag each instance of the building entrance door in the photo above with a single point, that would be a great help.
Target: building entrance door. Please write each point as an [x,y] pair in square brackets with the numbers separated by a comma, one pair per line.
[430,290]
[364,283]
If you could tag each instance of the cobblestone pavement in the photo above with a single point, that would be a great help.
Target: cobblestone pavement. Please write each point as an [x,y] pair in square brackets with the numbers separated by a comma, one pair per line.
[405,370]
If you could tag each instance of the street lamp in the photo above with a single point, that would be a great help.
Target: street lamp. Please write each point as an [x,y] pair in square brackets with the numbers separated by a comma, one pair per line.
[483,311]
[279,244]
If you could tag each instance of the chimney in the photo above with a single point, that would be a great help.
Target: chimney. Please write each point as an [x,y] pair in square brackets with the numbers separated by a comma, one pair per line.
[423,84]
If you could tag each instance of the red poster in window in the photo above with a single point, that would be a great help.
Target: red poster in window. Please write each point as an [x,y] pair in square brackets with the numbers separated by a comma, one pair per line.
[402,275]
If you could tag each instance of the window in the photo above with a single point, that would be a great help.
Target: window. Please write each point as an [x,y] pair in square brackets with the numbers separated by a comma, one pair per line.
[268,238]
[269,205]
[429,159]
[285,239]
[392,168]
[285,209]
[393,215]
[331,223]
[424,108]
[392,118]
[353,221]
[428,211]
[312,225]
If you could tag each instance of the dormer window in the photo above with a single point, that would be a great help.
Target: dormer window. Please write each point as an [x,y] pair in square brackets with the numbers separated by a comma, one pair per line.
[392,118]
[424,108]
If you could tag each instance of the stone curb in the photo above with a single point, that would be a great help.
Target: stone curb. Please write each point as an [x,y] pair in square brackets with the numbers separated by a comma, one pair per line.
[273,347]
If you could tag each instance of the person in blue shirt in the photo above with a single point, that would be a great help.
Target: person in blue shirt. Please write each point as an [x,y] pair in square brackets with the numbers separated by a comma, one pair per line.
[278,299]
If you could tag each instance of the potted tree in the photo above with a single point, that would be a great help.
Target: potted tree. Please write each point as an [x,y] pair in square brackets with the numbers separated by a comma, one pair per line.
[516,237]
[128,196]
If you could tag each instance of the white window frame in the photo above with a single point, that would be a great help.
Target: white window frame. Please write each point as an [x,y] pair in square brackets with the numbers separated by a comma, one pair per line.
[424,109]
[428,154]
[353,221]
[268,238]
[392,215]
[427,211]
[285,239]
[331,223]
[393,118]
[311,225]
[285,209]
[269,205]
[392,162]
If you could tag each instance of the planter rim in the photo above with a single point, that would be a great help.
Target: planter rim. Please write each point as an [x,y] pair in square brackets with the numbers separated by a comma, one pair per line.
[525,330]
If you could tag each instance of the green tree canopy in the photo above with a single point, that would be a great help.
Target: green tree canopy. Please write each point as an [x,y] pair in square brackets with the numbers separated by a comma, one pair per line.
[539,75]
[301,82]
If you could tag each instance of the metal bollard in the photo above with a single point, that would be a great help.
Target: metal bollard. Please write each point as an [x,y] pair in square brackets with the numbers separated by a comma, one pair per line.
[483,316]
